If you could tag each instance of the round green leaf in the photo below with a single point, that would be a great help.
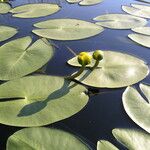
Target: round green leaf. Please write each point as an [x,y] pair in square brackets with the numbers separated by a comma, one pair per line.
[136,107]
[90,2]
[105,145]
[138,10]
[133,139]
[143,40]
[39,100]
[4,8]
[120,21]
[44,139]
[142,30]
[19,58]
[7,32]
[66,29]
[34,10]
[115,70]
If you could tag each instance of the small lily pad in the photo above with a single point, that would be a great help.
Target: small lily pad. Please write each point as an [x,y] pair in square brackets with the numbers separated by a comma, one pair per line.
[85,2]
[34,10]
[44,139]
[132,139]
[138,10]
[19,58]
[66,29]
[4,8]
[142,30]
[7,32]
[120,21]
[114,71]
[105,145]
[39,100]
[137,107]
[143,40]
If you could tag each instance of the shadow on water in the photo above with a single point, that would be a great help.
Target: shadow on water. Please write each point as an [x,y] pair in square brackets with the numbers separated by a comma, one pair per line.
[37,106]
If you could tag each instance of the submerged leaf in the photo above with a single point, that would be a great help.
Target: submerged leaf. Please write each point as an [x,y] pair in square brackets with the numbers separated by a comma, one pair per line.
[19,58]
[120,21]
[114,71]
[7,32]
[143,40]
[137,107]
[34,10]
[44,139]
[105,145]
[66,29]
[138,10]
[39,100]
[4,8]
[133,139]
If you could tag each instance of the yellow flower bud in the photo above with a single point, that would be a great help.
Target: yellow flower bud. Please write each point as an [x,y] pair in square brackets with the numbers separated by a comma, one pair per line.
[98,55]
[84,58]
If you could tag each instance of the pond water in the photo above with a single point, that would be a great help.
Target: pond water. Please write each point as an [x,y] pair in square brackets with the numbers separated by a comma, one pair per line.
[104,111]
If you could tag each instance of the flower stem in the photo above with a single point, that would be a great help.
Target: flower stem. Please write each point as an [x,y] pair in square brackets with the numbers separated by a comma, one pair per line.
[95,65]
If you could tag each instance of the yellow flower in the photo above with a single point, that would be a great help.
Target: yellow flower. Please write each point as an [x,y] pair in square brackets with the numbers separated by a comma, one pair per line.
[84,58]
[98,55]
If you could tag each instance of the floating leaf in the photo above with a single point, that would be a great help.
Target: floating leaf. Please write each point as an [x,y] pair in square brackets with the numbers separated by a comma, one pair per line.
[144,1]
[105,145]
[7,32]
[66,29]
[34,10]
[138,10]
[19,58]
[143,40]
[133,139]
[4,8]
[44,139]
[136,107]
[39,100]
[115,70]
[85,2]
[142,30]
[120,21]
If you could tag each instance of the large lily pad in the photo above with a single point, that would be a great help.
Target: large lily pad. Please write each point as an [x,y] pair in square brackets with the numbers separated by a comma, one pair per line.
[142,30]
[19,58]
[85,2]
[66,29]
[39,100]
[143,40]
[44,139]
[133,139]
[120,21]
[7,32]
[105,145]
[4,8]
[138,10]
[115,70]
[137,107]
[34,10]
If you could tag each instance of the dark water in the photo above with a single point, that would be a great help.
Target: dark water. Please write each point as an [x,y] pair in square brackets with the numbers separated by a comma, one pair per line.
[104,111]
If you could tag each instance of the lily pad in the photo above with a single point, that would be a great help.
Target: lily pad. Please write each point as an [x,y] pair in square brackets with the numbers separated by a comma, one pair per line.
[120,21]
[143,40]
[34,10]
[44,139]
[66,29]
[105,145]
[138,10]
[114,71]
[4,8]
[7,32]
[19,58]
[144,1]
[142,30]
[137,107]
[39,100]
[85,2]
[133,139]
